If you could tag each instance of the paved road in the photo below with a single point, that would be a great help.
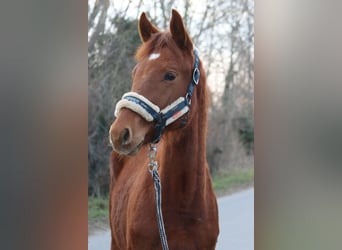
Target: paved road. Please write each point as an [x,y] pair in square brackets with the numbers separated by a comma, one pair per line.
[236,221]
[236,224]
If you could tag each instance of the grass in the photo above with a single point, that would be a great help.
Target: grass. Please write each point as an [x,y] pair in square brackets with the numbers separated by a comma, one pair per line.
[229,182]
[97,214]
[97,207]
[224,183]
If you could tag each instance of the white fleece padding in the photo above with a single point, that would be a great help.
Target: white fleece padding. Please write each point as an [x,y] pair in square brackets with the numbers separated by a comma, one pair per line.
[177,115]
[134,107]
[144,99]
[124,103]
[175,103]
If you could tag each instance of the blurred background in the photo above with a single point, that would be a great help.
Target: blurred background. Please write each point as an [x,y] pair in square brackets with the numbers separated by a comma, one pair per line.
[223,32]
[44,123]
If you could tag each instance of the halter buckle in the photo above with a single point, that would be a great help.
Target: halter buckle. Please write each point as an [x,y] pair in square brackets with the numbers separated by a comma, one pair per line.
[188,98]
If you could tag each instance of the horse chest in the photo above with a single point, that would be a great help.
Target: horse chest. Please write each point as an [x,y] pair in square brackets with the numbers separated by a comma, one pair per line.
[133,212]
[136,215]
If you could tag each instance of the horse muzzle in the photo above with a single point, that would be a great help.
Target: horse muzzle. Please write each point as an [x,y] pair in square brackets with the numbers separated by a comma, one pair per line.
[128,132]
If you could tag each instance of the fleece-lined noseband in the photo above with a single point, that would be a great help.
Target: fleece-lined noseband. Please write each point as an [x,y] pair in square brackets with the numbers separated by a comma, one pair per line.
[152,113]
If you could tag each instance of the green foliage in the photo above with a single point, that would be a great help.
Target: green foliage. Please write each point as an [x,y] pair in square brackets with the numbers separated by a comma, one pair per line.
[97,207]
[236,179]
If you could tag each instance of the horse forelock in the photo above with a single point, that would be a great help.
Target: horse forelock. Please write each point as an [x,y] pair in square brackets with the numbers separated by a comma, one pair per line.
[157,42]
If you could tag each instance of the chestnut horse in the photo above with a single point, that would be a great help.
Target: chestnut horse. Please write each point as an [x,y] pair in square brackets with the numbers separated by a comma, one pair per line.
[164,70]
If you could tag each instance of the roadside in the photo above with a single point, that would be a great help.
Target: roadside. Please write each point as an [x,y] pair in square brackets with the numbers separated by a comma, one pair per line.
[97,215]
[224,184]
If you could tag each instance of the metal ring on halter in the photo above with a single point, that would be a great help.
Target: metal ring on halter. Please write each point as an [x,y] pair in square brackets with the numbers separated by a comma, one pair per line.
[152,166]
[195,76]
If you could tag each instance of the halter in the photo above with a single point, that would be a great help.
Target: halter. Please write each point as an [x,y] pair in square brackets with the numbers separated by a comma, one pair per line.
[152,113]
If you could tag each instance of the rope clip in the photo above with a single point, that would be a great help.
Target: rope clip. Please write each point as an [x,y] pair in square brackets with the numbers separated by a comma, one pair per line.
[153,164]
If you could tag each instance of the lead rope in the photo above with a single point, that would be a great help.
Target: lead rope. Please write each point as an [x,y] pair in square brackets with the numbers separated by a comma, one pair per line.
[153,169]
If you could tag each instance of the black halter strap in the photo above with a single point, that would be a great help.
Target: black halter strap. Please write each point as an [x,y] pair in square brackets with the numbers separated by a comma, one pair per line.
[160,121]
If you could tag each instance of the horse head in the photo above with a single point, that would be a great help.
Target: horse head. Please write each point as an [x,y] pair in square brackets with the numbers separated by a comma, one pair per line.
[161,77]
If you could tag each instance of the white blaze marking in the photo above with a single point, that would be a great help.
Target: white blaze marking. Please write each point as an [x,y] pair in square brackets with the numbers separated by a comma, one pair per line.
[154,56]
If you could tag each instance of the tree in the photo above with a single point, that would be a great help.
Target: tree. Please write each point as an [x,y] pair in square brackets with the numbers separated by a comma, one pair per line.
[110,60]
[231,125]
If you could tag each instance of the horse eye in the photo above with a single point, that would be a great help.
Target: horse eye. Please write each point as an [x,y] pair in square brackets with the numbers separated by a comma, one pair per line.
[169,76]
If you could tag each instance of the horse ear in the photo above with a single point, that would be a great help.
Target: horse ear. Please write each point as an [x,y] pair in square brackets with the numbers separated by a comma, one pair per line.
[178,31]
[146,28]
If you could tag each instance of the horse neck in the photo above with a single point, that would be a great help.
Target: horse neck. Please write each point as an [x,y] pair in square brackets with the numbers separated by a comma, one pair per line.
[183,156]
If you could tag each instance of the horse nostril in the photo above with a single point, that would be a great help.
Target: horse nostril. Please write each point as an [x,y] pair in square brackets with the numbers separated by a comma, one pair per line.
[125,136]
